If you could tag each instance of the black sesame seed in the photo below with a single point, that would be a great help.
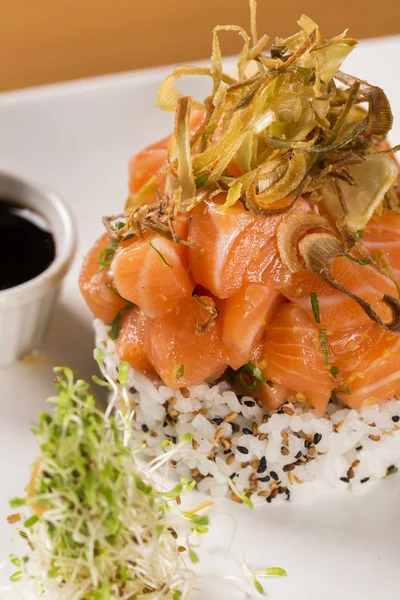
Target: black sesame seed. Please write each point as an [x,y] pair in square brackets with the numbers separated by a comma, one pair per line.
[395,418]
[365,480]
[145,428]
[227,451]
[247,431]
[243,449]
[274,475]
[232,476]
[288,468]
[217,420]
[298,454]
[269,499]
[264,479]
[262,466]
[249,403]
[317,438]
[359,448]
[345,479]
[307,444]
[235,427]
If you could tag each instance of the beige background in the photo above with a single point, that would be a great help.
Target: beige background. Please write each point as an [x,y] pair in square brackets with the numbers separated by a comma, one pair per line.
[42,41]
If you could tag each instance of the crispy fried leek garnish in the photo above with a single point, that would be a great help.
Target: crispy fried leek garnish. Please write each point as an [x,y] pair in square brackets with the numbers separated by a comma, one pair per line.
[373,177]
[212,311]
[287,122]
[380,117]
[183,153]
[318,251]
[291,229]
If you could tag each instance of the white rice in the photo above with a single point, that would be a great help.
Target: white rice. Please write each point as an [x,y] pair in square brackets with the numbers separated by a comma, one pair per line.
[272,453]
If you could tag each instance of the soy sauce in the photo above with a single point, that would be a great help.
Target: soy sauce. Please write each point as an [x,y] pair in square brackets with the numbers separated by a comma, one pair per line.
[27,245]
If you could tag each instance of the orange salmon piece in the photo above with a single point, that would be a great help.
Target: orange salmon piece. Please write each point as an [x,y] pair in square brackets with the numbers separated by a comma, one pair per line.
[368,363]
[130,342]
[235,246]
[152,273]
[181,355]
[93,281]
[246,315]
[383,233]
[293,356]
[227,242]
[336,308]
[147,163]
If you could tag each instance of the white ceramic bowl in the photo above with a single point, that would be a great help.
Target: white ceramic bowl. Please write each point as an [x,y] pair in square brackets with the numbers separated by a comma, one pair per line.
[26,309]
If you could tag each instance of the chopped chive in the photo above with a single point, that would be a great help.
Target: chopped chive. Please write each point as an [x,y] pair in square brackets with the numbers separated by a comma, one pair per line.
[180,372]
[200,181]
[106,256]
[324,346]
[344,389]
[315,307]
[358,234]
[113,290]
[249,387]
[334,371]
[116,324]
[158,252]
[255,371]
[359,261]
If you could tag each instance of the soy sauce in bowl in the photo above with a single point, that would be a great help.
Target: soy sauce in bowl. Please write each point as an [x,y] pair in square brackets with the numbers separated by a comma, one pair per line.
[27,245]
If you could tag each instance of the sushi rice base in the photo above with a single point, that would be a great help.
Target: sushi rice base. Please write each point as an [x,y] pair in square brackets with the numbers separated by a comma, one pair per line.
[270,454]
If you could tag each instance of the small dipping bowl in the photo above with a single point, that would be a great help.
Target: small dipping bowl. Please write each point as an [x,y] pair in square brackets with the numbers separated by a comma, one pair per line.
[26,309]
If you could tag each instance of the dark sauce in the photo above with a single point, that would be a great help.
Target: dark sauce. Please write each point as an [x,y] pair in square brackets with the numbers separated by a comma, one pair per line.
[26,244]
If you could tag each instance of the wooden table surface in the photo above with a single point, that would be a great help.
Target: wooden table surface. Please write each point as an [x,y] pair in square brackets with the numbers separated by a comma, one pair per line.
[42,41]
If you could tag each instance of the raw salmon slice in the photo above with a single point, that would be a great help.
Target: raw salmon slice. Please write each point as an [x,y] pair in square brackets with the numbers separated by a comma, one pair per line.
[130,342]
[235,246]
[267,267]
[93,282]
[336,308]
[368,363]
[383,234]
[293,357]
[245,317]
[147,163]
[152,273]
[180,354]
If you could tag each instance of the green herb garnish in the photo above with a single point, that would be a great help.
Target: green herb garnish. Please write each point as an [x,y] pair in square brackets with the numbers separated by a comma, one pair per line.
[358,234]
[315,307]
[359,261]
[116,323]
[107,254]
[324,346]
[334,371]
[200,181]
[180,372]
[158,252]
[101,529]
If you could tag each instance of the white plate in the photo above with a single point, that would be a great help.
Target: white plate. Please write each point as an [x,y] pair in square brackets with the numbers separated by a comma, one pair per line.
[76,138]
